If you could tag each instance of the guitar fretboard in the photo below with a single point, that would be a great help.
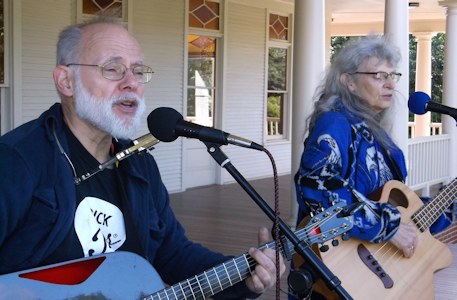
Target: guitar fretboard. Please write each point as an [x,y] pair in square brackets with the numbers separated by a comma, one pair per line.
[321,228]
[430,212]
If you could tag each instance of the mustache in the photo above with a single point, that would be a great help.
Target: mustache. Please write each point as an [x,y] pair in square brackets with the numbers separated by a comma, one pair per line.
[127,96]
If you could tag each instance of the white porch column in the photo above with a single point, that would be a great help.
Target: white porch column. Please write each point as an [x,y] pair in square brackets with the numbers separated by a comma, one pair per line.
[308,64]
[423,78]
[449,76]
[396,27]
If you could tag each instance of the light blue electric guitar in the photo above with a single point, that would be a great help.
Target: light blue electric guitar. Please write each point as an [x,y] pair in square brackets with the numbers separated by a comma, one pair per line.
[124,275]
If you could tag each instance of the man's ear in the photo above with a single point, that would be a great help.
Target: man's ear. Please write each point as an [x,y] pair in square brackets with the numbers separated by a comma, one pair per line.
[346,79]
[63,78]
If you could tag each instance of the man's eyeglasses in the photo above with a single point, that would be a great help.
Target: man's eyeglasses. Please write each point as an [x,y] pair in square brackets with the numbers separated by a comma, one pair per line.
[382,75]
[116,71]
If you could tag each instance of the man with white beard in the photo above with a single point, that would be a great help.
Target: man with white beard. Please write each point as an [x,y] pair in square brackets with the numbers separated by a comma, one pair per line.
[49,215]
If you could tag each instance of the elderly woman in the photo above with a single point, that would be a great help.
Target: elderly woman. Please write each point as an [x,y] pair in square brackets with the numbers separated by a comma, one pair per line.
[348,153]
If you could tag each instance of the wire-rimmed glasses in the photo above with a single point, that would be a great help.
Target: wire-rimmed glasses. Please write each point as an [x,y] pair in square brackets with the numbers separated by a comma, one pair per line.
[382,75]
[116,71]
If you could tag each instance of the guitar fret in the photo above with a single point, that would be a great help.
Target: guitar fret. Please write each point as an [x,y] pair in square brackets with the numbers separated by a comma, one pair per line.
[182,290]
[190,288]
[174,294]
[200,286]
[218,279]
[207,279]
[227,274]
[238,270]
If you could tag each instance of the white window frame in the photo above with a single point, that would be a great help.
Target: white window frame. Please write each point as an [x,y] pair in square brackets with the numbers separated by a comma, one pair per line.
[218,35]
[288,92]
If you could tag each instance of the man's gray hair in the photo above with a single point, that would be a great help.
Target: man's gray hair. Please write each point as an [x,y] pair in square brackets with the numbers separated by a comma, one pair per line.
[69,42]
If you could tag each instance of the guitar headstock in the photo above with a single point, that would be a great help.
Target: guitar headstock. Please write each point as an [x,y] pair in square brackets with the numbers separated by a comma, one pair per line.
[332,222]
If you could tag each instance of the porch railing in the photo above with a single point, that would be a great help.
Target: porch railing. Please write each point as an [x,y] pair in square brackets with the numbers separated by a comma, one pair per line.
[428,161]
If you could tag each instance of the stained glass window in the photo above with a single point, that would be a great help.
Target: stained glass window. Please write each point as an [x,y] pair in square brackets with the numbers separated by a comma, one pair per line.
[279,27]
[204,14]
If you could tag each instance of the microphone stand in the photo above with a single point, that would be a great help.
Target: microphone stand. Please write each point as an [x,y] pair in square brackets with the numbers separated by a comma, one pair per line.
[301,247]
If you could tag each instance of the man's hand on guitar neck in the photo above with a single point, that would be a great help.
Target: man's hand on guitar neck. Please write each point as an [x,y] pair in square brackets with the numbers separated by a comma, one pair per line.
[264,275]
[405,239]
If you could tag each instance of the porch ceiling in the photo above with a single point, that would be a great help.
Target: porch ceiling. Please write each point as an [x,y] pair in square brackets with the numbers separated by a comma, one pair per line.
[368,11]
[364,11]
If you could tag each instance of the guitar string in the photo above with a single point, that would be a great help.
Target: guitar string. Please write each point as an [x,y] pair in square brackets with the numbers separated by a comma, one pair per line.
[204,290]
[227,271]
[422,219]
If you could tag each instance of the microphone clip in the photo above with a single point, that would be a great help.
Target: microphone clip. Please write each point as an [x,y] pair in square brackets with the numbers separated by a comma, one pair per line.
[145,142]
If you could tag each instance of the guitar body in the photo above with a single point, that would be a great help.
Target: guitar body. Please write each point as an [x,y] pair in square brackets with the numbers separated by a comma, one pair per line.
[123,275]
[356,263]
[117,275]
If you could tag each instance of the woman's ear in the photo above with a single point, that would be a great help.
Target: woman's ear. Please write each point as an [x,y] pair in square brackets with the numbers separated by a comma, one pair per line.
[63,78]
[346,79]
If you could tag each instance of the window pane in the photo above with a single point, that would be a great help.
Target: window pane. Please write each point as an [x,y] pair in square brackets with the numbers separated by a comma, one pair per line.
[204,14]
[278,27]
[200,106]
[277,69]
[112,8]
[200,72]
[275,113]
[201,79]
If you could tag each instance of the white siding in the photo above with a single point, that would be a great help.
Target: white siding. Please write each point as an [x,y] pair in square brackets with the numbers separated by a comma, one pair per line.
[244,99]
[41,22]
[159,27]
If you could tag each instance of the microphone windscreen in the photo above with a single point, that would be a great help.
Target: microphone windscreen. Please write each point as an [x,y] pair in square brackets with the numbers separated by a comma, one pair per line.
[162,123]
[417,103]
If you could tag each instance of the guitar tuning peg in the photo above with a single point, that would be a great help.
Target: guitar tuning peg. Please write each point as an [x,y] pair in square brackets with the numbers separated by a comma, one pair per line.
[345,236]
[335,243]
[324,248]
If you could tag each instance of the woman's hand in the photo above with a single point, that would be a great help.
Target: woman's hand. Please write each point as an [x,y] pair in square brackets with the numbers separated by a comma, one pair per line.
[406,239]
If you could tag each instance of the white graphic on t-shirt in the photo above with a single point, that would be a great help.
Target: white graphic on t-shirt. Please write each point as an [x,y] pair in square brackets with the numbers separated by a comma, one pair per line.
[99,226]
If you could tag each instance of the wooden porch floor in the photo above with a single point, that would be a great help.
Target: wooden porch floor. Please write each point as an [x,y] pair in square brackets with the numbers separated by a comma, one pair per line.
[225,219]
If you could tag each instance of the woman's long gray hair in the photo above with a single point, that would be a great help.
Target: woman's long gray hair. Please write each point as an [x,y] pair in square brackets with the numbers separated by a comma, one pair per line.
[348,60]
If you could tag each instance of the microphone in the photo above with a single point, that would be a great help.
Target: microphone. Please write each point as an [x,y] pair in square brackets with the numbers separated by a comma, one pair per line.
[419,103]
[167,125]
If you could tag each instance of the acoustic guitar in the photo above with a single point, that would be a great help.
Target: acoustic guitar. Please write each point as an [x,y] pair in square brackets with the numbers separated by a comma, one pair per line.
[124,275]
[380,271]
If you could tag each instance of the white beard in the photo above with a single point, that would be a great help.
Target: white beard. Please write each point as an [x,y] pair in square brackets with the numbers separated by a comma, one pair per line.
[99,112]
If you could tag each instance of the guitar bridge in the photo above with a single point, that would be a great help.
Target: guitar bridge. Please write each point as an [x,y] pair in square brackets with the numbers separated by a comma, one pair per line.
[370,261]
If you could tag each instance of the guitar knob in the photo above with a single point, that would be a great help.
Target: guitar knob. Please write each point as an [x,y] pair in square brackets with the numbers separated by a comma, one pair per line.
[335,243]
[324,248]
[345,236]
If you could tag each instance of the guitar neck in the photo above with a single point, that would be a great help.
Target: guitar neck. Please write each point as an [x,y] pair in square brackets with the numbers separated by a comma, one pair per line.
[429,213]
[322,227]
[212,281]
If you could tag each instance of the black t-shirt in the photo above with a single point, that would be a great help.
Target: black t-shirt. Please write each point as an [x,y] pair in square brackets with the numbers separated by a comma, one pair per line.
[102,221]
